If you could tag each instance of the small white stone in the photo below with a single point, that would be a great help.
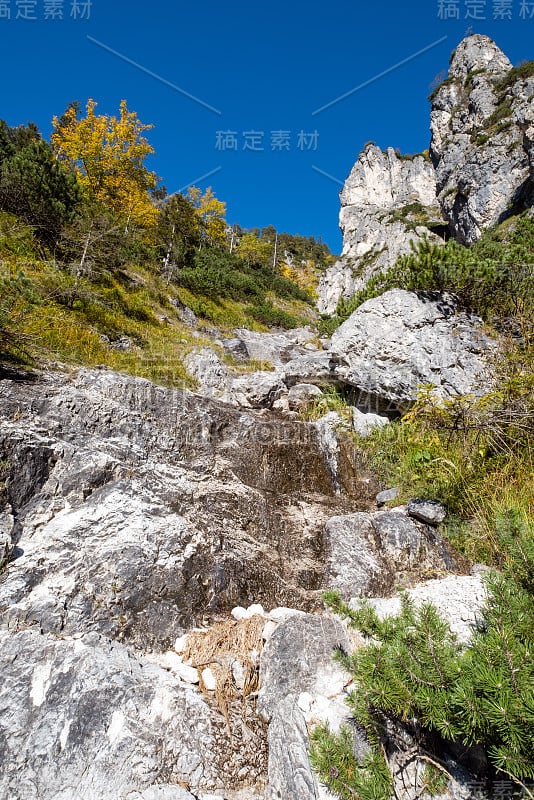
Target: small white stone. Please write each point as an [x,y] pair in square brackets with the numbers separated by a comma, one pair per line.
[205,796]
[181,643]
[183,671]
[305,701]
[171,660]
[239,613]
[187,673]
[209,680]
[254,609]
[238,673]
[268,629]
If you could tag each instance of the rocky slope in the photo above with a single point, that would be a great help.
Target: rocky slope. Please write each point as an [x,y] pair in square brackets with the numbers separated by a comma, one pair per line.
[163,553]
[481,171]
[131,514]
[380,358]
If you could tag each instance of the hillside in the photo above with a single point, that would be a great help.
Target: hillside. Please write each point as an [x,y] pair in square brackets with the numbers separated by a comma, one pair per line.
[99,266]
[267,517]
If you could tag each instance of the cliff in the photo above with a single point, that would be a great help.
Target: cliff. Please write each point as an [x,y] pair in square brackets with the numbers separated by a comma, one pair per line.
[480,171]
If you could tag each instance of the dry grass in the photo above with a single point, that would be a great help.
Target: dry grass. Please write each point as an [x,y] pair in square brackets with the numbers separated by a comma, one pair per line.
[218,648]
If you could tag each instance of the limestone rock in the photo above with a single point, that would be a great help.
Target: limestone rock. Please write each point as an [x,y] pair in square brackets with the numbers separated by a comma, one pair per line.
[302,395]
[161,792]
[387,202]
[370,554]
[459,599]
[386,495]
[138,511]
[274,348]
[297,672]
[255,390]
[6,547]
[364,424]
[393,344]
[290,774]
[84,718]
[482,139]
[207,368]
[318,368]
[426,511]
[298,658]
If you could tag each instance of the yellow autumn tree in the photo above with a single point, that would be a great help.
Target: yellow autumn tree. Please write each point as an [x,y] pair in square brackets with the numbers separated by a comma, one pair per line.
[253,250]
[211,213]
[108,154]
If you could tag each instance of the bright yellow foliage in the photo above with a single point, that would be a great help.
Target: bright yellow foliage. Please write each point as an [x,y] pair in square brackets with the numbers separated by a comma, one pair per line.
[305,274]
[252,249]
[211,212]
[108,153]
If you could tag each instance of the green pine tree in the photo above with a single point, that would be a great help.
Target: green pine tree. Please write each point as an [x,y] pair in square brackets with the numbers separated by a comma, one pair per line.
[414,671]
[37,189]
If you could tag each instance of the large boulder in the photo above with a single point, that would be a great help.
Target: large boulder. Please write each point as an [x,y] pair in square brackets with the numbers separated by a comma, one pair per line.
[371,554]
[460,600]
[296,665]
[393,344]
[83,717]
[274,347]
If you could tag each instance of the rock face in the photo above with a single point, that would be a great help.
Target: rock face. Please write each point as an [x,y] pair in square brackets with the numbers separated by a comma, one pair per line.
[136,511]
[393,344]
[482,124]
[85,718]
[481,170]
[387,202]
[273,348]
[130,514]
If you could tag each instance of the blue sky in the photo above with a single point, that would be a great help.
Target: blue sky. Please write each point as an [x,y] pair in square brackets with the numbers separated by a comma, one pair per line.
[266,67]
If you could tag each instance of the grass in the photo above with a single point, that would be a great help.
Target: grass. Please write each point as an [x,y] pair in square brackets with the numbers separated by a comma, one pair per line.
[475,455]
[72,317]
[75,320]
[332,400]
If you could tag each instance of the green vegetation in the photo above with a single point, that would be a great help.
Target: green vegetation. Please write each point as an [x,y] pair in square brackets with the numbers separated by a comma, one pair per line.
[522,72]
[332,400]
[414,673]
[473,454]
[501,119]
[412,215]
[492,278]
[96,262]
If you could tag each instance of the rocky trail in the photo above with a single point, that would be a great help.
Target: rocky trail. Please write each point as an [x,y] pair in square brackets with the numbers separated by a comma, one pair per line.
[163,553]
[134,515]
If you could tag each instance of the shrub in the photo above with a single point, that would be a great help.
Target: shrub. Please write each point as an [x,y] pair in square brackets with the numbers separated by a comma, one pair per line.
[267,314]
[413,672]
[493,278]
